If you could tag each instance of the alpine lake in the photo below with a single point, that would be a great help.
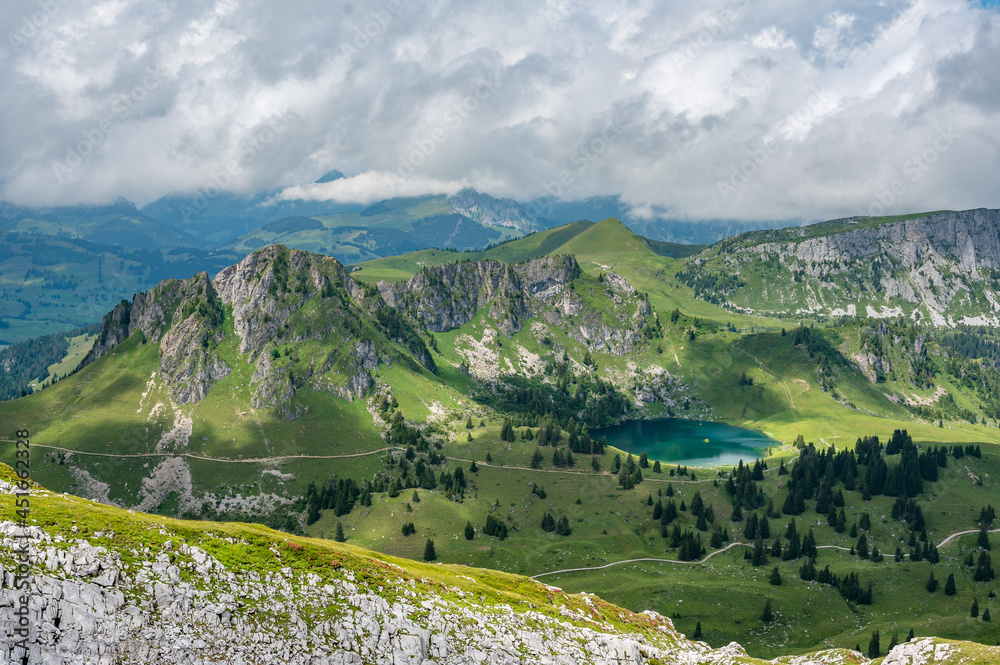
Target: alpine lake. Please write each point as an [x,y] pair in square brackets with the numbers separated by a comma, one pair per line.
[687,442]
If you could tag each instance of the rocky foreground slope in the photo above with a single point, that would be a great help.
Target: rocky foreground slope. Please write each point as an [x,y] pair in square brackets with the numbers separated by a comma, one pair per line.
[113,586]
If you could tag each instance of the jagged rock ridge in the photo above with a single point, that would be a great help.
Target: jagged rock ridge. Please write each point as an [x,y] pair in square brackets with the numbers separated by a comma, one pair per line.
[277,300]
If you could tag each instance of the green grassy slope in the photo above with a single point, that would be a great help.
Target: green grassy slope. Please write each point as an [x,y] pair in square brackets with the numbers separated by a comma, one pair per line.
[722,595]
[726,593]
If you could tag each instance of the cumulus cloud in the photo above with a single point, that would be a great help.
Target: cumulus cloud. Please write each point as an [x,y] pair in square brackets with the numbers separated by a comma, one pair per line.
[716,109]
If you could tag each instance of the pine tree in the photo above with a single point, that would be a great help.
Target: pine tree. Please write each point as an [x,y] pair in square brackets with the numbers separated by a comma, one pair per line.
[429,553]
[986,615]
[759,557]
[949,585]
[470,532]
[656,467]
[974,612]
[932,584]
[984,538]
[473,468]
[643,460]
[767,615]
[697,632]
[909,635]
[874,650]
[893,642]
[775,577]
[339,536]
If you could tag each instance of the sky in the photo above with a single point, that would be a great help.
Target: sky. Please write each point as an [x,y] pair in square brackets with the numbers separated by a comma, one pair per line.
[715,109]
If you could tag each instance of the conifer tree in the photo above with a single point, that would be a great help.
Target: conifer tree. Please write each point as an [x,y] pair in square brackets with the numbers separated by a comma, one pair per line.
[339,535]
[874,650]
[909,636]
[767,615]
[932,584]
[657,469]
[949,585]
[775,577]
[696,636]
[429,553]
[986,615]
[470,532]
[974,612]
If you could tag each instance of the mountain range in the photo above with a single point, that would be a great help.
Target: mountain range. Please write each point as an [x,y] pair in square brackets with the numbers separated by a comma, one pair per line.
[438,390]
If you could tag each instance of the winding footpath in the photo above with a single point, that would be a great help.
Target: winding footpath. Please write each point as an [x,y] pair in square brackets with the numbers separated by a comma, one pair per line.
[249,460]
[727,547]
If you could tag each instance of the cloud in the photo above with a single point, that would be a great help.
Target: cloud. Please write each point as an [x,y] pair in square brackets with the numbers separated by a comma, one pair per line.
[720,109]
[369,187]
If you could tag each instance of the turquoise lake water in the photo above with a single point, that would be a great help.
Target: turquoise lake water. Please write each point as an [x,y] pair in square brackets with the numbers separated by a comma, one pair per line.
[687,442]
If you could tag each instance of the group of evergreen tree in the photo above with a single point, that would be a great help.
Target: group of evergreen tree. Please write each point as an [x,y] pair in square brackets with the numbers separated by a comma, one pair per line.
[340,496]
[530,400]
[816,474]
[628,472]
[495,527]
[560,526]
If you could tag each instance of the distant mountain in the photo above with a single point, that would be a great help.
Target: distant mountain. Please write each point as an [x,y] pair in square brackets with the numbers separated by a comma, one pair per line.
[941,268]
[228,218]
[657,227]
[395,226]
[118,224]
[490,211]
[220,219]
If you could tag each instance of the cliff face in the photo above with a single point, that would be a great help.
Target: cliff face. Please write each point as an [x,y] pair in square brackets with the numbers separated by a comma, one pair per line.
[183,317]
[942,269]
[447,297]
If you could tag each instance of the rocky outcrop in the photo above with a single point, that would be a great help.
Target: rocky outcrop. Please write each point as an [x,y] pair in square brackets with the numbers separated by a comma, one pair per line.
[941,268]
[178,604]
[183,317]
[447,297]
[872,366]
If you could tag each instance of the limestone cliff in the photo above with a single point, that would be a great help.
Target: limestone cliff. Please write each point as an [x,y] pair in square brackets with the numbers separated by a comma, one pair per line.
[941,268]
[447,297]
